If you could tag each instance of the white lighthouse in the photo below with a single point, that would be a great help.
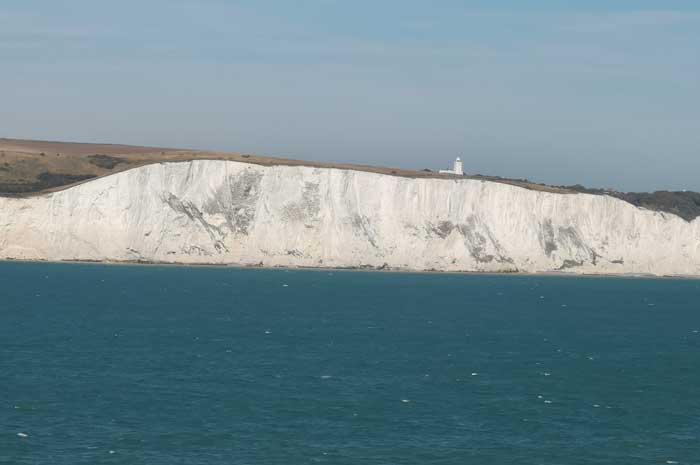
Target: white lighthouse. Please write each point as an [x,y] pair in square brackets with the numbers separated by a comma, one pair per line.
[456,168]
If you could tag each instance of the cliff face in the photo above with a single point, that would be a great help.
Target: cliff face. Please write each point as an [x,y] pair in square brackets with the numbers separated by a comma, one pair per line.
[209,211]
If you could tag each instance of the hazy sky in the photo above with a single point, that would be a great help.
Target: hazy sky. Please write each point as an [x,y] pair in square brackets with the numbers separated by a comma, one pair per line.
[599,92]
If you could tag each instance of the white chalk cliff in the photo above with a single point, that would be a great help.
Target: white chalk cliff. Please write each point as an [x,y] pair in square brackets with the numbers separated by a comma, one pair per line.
[225,212]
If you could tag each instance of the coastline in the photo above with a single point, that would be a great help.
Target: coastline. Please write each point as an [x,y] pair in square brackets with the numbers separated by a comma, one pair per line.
[202,214]
[560,274]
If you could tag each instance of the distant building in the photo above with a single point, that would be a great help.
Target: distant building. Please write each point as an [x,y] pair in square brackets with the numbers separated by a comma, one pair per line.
[457,168]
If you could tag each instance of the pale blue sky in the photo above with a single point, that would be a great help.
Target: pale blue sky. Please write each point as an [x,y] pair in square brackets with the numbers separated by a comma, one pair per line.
[600,92]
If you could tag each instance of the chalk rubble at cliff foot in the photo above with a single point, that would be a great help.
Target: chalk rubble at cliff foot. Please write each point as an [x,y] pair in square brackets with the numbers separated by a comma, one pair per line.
[225,212]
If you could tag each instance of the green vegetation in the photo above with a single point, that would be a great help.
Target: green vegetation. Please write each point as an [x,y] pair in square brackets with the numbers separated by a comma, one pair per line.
[45,180]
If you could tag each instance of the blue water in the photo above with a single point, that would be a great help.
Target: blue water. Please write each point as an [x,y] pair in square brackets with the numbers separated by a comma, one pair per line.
[174,365]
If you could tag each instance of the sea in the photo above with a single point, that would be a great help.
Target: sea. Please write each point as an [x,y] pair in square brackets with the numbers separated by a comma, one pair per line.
[145,364]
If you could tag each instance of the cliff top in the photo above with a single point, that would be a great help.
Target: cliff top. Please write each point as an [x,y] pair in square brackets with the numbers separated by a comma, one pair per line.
[30,167]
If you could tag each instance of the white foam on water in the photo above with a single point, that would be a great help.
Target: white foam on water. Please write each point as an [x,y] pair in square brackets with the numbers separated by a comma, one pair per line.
[285,285]
[326,376]
[475,374]
[405,401]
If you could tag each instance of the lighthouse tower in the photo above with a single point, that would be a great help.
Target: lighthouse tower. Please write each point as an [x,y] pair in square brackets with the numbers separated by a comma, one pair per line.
[458,167]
